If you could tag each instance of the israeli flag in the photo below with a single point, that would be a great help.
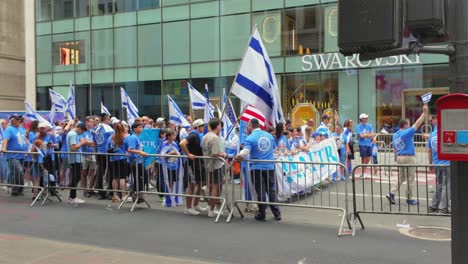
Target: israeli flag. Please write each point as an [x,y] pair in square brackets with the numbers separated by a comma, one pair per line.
[104,109]
[197,99]
[426,98]
[57,100]
[70,107]
[209,112]
[132,110]
[176,116]
[255,83]
[52,115]
[32,115]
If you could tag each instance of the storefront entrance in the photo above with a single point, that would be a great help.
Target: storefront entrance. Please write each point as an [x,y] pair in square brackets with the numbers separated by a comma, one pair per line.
[412,103]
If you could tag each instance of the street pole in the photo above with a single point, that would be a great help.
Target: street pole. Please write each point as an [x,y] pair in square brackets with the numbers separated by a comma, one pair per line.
[457,17]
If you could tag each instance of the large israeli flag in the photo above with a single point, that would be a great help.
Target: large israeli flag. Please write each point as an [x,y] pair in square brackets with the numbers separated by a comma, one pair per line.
[197,99]
[175,114]
[104,109]
[32,115]
[132,110]
[70,107]
[58,100]
[255,82]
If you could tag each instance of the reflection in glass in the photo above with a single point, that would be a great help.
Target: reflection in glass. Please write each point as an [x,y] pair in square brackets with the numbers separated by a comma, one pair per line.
[70,52]
[42,98]
[125,5]
[148,4]
[81,8]
[101,7]
[63,9]
[302,31]
[43,10]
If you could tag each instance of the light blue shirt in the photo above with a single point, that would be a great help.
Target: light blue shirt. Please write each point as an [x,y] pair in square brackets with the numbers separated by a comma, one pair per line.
[16,141]
[364,129]
[323,129]
[89,137]
[117,149]
[134,143]
[72,139]
[101,134]
[261,145]
[432,144]
[403,141]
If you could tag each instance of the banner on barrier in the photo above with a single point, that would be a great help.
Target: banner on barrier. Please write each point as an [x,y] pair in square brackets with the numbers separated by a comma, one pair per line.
[150,139]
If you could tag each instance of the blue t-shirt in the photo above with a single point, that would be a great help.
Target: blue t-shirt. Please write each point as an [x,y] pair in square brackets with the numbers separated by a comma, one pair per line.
[364,129]
[64,148]
[261,145]
[16,141]
[134,142]
[117,149]
[432,144]
[72,139]
[166,147]
[101,134]
[89,137]
[323,129]
[403,141]
[31,139]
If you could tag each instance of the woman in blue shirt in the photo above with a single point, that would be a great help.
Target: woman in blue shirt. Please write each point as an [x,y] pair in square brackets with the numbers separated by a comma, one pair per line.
[171,168]
[118,167]
[28,161]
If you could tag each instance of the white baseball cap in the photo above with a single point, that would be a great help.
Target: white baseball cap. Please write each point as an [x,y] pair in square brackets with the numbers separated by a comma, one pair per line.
[43,125]
[363,115]
[160,120]
[198,122]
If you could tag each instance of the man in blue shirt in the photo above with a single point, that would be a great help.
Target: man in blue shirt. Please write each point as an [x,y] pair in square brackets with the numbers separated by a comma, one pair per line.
[441,196]
[14,139]
[135,149]
[75,142]
[323,128]
[101,134]
[260,145]
[365,133]
[403,144]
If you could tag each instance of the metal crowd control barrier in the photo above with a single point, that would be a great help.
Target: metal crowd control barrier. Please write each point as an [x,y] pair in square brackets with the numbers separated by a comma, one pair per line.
[292,184]
[388,138]
[194,175]
[372,194]
[13,174]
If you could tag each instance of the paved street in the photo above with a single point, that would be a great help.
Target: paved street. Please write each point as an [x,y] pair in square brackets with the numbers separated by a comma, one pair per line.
[98,233]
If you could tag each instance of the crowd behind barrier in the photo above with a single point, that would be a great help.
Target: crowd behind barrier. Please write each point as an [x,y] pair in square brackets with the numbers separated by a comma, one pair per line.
[110,160]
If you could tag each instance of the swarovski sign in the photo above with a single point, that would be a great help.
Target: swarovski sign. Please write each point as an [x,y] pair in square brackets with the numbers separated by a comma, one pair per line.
[336,61]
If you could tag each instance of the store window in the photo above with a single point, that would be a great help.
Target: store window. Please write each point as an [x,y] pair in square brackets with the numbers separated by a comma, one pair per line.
[302,31]
[69,52]
[42,98]
[149,98]
[81,8]
[101,7]
[148,4]
[43,10]
[63,9]
[177,90]
[125,5]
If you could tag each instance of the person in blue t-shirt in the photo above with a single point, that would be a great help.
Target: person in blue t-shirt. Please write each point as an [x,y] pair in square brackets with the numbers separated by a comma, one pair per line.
[441,196]
[403,144]
[101,134]
[136,154]
[260,145]
[365,133]
[323,127]
[118,166]
[14,139]
[75,142]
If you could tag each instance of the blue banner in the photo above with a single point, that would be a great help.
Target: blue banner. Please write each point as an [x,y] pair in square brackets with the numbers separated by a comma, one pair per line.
[150,140]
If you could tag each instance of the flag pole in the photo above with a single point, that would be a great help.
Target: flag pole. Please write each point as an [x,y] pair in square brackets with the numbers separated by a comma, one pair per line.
[240,65]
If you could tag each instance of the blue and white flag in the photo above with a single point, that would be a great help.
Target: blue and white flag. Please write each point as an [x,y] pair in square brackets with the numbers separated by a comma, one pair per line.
[132,110]
[58,100]
[197,100]
[209,112]
[255,83]
[426,98]
[32,115]
[230,113]
[70,107]
[104,109]
[52,115]
[176,116]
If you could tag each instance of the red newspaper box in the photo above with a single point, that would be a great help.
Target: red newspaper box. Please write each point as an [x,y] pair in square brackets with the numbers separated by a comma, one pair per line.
[452,132]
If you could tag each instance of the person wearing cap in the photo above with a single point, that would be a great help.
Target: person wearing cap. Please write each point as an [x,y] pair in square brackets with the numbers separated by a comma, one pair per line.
[161,122]
[192,147]
[323,127]
[403,146]
[88,169]
[74,143]
[365,133]
[14,139]
[101,133]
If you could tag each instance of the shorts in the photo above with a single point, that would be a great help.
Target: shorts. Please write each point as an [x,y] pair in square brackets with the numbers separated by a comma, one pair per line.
[196,171]
[64,163]
[374,160]
[118,169]
[88,162]
[27,164]
[365,151]
[217,175]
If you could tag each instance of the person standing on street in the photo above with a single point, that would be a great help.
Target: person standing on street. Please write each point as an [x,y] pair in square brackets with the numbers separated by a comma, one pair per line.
[101,134]
[365,133]
[403,144]
[74,143]
[260,145]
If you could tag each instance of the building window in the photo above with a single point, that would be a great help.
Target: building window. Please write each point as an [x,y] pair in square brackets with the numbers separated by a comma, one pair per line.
[82,8]
[101,7]
[302,31]
[43,10]
[125,5]
[70,52]
[63,9]
[148,4]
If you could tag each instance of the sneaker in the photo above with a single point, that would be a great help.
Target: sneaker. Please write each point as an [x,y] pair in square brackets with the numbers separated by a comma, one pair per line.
[431,209]
[78,201]
[71,200]
[237,181]
[191,211]
[391,198]
[259,217]
[278,217]
[201,209]
[205,191]
[213,213]
[129,200]
[343,178]
[444,211]
[412,202]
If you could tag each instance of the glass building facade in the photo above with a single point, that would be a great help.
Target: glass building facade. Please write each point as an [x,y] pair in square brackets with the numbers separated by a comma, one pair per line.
[154,47]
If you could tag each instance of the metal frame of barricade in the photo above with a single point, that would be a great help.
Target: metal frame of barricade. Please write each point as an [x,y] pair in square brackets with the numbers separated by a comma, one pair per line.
[235,202]
[384,173]
[23,186]
[105,173]
[198,159]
